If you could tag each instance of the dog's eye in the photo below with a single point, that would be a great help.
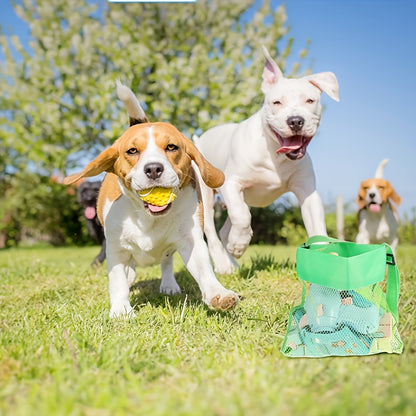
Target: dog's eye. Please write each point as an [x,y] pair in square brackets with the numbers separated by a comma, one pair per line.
[277,102]
[310,101]
[171,147]
[381,188]
[132,151]
[365,188]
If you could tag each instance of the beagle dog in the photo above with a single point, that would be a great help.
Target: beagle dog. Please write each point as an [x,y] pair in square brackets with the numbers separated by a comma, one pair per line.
[377,216]
[145,157]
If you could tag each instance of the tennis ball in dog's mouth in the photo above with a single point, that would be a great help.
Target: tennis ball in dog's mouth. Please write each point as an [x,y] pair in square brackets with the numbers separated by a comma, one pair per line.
[157,196]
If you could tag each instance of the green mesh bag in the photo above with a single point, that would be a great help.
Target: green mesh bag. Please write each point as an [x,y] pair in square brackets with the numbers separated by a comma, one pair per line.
[349,300]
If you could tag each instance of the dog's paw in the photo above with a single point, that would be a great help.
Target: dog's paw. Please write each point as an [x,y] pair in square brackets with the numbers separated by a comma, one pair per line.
[170,288]
[225,302]
[238,241]
[224,268]
[122,309]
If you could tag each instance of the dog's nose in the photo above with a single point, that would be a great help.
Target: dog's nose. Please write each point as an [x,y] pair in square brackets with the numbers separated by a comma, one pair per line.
[372,195]
[295,123]
[153,170]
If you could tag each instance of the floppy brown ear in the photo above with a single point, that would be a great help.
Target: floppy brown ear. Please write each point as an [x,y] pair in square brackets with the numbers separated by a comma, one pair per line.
[212,176]
[361,198]
[392,194]
[104,162]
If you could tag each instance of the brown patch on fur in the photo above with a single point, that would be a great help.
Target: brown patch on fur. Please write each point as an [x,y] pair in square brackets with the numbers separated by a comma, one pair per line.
[109,190]
[225,303]
[134,121]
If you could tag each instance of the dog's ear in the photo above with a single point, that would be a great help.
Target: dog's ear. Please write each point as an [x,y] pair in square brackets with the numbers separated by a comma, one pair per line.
[104,162]
[392,194]
[212,176]
[326,82]
[271,72]
[361,202]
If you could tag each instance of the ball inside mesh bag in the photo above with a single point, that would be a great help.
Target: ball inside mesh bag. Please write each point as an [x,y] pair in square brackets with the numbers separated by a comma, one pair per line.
[157,196]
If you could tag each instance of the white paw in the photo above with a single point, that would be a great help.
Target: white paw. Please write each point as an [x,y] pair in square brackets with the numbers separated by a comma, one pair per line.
[121,309]
[238,240]
[170,288]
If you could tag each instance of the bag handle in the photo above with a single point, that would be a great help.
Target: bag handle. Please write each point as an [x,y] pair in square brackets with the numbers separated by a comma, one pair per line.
[319,239]
[393,283]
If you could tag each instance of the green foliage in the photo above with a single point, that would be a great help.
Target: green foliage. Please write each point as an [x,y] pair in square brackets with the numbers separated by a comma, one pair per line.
[350,225]
[194,65]
[61,355]
[407,228]
[36,208]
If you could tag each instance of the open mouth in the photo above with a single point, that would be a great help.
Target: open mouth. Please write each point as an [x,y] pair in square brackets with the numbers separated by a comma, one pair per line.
[90,213]
[374,207]
[156,209]
[157,200]
[293,147]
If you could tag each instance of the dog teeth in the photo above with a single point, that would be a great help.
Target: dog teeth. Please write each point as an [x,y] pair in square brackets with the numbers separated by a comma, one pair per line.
[157,196]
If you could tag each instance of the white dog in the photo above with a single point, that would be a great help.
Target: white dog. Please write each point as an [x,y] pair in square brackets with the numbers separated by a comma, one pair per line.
[142,231]
[264,157]
[377,217]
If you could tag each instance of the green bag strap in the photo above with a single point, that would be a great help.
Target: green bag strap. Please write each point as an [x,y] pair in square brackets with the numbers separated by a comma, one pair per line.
[320,239]
[393,283]
[393,276]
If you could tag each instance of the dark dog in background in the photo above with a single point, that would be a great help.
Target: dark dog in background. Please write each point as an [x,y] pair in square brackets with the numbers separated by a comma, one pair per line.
[87,196]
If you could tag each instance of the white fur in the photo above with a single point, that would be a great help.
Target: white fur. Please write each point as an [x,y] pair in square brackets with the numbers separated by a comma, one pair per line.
[136,238]
[255,175]
[378,227]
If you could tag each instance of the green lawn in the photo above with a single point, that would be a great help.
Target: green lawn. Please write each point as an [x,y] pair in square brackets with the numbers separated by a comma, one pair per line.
[61,355]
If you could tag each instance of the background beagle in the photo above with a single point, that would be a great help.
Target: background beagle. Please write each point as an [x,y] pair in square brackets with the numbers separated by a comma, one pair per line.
[377,216]
[139,232]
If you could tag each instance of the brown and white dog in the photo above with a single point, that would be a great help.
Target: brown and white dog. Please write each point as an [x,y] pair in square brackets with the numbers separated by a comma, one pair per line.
[377,216]
[149,155]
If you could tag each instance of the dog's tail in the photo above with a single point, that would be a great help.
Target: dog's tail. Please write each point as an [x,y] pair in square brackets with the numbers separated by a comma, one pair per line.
[135,111]
[380,169]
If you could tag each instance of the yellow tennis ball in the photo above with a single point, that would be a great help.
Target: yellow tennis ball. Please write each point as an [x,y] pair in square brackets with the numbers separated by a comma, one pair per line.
[157,196]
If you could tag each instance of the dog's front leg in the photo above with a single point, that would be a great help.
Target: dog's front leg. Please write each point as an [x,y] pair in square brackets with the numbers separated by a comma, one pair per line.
[119,286]
[239,225]
[313,213]
[224,263]
[194,253]
[168,285]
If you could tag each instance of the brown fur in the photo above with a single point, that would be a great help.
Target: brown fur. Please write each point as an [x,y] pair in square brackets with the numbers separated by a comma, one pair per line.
[117,162]
[384,187]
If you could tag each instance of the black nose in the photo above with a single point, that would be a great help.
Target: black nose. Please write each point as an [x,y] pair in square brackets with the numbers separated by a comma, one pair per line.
[153,170]
[372,195]
[295,123]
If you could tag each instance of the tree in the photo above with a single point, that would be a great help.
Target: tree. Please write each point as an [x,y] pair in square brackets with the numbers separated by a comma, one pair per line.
[194,65]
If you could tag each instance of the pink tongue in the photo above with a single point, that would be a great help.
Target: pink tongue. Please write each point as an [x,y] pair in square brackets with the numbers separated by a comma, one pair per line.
[155,208]
[89,213]
[374,207]
[287,149]
[290,144]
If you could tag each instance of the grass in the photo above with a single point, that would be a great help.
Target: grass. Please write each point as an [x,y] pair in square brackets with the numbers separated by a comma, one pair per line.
[61,355]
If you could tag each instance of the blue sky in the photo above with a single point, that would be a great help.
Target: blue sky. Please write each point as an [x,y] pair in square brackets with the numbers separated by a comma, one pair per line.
[370,45]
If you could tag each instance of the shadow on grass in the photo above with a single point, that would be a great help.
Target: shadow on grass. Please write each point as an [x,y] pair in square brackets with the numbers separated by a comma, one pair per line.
[147,291]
